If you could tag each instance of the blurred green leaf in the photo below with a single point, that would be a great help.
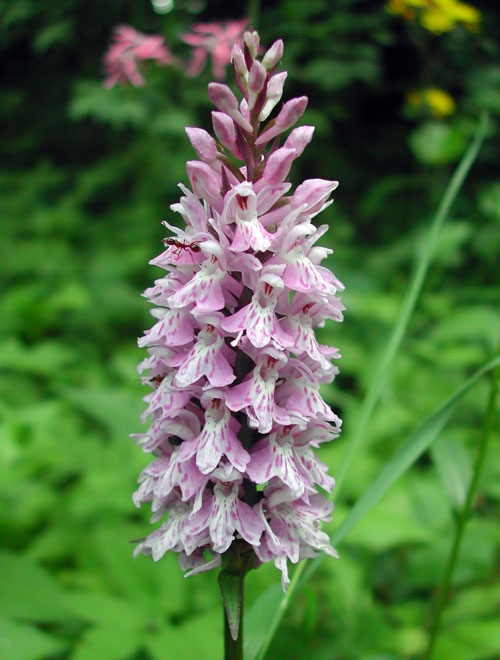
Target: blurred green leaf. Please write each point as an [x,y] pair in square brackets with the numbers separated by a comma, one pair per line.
[437,143]
[116,410]
[172,639]
[477,557]
[489,201]
[332,75]
[107,610]
[257,618]
[29,591]
[119,106]
[469,640]
[478,323]
[20,641]
[473,601]
[113,642]
[483,83]
[389,525]
[52,35]
[455,468]
[172,122]
[200,637]
[45,358]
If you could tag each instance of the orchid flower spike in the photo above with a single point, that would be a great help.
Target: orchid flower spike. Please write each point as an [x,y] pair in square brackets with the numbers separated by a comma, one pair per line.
[233,364]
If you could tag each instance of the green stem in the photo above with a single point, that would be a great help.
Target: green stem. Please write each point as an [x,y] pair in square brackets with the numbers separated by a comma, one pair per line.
[490,422]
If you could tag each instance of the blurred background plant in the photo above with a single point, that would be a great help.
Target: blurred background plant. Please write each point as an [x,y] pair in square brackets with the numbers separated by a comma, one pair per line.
[86,176]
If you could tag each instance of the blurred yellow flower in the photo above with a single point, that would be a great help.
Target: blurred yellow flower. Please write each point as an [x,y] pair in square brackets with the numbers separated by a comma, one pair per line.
[437,101]
[437,16]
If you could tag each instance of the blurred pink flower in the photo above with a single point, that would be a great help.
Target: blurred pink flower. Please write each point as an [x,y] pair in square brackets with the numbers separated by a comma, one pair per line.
[216,40]
[121,62]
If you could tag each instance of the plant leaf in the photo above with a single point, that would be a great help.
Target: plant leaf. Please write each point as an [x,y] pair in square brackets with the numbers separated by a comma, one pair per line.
[469,640]
[199,637]
[21,641]
[231,588]
[29,592]
[112,642]
[454,467]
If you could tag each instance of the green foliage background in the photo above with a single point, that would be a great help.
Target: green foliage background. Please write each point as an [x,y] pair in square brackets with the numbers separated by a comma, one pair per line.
[86,176]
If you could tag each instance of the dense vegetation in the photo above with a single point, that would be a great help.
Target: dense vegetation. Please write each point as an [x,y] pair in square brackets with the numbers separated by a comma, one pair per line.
[86,176]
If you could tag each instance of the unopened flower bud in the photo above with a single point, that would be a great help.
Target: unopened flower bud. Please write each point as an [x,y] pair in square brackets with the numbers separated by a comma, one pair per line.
[225,131]
[224,99]
[238,60]
[299,138]
[274,93]
[256,80]
[252,42]
[203,143]
[290,113]
[273,55]
[278,165]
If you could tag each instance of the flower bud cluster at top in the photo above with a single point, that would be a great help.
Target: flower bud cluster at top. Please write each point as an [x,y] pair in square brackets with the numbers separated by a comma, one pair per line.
[233,360]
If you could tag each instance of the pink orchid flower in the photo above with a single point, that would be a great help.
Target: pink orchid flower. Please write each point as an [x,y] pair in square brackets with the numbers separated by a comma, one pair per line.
[129,48]
[215,40]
